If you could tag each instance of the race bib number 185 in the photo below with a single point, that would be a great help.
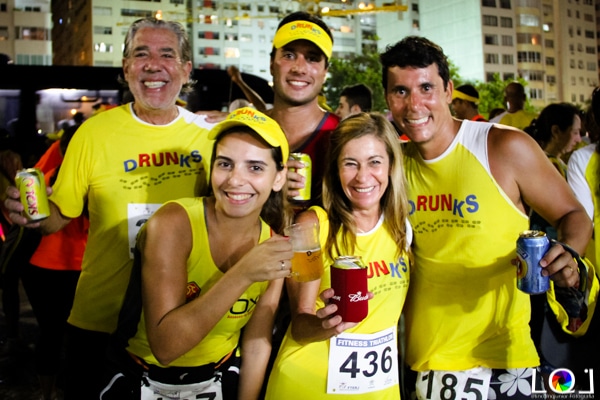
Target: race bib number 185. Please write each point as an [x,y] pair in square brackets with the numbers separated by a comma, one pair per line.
[472,384]
[361,363]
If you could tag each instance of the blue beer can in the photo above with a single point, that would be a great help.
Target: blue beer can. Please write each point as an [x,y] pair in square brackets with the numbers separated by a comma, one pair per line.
[531,247]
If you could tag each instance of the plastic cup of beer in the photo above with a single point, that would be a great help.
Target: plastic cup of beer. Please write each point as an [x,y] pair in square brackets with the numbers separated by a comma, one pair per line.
[307,264]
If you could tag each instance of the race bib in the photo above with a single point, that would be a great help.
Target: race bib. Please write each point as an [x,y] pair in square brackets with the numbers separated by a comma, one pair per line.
[210,390]
[472,384]
[362,363]
[137,215]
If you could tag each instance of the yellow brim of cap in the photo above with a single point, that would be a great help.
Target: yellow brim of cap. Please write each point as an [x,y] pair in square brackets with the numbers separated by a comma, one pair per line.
[263,125]
[460,95]
[304,30]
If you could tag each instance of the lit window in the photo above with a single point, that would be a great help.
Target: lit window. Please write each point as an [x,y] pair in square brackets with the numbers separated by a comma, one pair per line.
[232,52]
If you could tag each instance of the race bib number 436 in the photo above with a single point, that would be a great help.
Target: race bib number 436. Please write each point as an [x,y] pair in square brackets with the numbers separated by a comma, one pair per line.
[362,363]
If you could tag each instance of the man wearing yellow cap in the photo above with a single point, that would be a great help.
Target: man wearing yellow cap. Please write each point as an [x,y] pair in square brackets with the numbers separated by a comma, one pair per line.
[465,100]
[302,47]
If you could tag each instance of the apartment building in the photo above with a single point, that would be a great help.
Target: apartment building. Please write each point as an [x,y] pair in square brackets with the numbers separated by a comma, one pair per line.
[91,32]
[549,43]
[222,32]
[552,44]
[574,28]
[25,31]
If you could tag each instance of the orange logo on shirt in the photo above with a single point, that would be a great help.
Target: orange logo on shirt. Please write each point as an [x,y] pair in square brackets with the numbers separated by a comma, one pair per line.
[193,291]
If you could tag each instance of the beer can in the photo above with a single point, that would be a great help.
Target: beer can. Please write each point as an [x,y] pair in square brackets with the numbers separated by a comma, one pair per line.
[32,186]
[306,172]
[349,282]
[531,247]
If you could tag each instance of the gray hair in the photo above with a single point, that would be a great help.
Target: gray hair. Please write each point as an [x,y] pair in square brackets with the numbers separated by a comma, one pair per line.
[185,50]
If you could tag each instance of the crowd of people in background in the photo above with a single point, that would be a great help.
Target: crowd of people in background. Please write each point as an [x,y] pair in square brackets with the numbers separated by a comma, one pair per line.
[163,270]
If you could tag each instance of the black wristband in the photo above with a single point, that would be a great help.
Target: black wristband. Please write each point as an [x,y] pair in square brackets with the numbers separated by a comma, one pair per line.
[581,267]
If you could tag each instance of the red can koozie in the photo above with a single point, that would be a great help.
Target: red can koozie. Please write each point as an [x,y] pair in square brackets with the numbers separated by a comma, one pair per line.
[349,282]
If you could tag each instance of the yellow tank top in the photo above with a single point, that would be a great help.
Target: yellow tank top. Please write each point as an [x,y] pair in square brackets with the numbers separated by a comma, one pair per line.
[300,371]
[202,275]
[463,309]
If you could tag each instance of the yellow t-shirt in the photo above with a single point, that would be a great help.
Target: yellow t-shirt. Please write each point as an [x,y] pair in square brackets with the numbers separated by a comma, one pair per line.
[582,176]
[121,170]
[300,372]
[591,176]
[520,119]
[463,308]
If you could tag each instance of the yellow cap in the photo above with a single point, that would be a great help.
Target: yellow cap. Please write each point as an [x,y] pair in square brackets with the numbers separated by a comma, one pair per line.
[457,94]
[304,30]
[264,126]
[322,100]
